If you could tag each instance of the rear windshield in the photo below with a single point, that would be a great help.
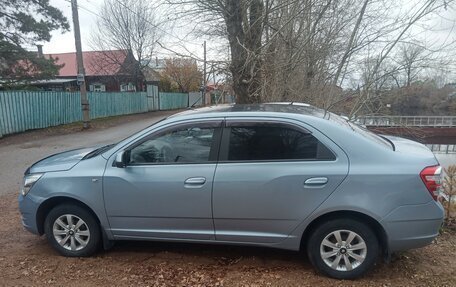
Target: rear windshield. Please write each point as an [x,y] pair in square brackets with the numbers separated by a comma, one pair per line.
[360,130]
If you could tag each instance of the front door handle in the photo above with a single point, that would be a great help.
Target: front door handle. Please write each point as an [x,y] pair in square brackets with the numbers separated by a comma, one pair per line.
[316,182]
[194,182]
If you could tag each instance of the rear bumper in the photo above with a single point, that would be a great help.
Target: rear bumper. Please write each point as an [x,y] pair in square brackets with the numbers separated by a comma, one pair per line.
[413,226]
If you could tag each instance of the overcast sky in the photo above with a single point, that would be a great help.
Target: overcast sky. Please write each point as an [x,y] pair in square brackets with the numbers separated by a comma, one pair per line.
[443,31]
[62,43]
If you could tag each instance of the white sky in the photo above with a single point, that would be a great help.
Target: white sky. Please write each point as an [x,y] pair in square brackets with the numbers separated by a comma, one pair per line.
[64,42]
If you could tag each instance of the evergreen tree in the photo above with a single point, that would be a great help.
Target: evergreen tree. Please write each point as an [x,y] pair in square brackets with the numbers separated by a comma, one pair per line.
[23,23]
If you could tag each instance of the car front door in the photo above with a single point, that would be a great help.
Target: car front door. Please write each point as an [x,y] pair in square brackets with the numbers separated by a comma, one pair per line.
[165,189]
[271,175]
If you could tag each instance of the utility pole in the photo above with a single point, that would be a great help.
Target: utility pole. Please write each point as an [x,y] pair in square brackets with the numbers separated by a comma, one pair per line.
[204,77]
[80,63]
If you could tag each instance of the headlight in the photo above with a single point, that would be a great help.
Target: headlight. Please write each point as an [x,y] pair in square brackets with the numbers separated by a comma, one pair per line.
[29,181]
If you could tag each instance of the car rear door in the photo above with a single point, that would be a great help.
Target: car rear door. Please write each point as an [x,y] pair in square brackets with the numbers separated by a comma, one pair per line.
[271,175]
[165,189]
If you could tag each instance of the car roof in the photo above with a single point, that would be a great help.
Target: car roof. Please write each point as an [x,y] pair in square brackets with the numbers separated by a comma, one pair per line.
[281,107]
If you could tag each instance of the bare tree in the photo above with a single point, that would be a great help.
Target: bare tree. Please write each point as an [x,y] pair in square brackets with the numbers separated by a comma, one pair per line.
[242,23]
[306,41]
[183,73]
[412,59]
[416,62]
[308,50]
[130,25]
[380,40]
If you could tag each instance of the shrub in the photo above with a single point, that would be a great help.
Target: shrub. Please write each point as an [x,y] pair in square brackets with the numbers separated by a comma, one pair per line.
[449,187]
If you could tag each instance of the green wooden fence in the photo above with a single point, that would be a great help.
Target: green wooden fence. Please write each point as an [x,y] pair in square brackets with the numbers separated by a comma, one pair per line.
[114,104]
[171,101]
[26,110]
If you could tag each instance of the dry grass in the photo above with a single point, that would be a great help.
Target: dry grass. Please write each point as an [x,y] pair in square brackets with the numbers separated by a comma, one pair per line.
[449,187]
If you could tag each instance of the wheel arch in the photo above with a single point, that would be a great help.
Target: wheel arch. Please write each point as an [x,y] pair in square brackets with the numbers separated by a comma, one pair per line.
[355,215]
[46,206]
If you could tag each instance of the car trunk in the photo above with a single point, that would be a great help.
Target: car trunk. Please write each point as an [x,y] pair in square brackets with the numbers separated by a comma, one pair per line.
[412,148]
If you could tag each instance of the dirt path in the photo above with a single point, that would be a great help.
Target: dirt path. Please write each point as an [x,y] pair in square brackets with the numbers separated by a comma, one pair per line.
[27,260]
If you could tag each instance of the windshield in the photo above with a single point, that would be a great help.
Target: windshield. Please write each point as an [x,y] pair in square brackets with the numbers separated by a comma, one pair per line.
[98,151]
[361,130]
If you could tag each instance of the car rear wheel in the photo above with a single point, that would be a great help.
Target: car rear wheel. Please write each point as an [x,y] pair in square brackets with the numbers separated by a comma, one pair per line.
[72,231]
[343,248]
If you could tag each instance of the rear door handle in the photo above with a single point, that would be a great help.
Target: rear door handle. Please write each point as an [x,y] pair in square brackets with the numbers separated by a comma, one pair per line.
[194,182]
[316,182]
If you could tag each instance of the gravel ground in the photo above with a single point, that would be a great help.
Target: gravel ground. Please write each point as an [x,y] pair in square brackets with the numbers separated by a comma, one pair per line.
[27,260]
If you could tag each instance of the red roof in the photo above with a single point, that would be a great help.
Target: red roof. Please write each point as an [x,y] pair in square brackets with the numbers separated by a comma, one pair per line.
[96,63]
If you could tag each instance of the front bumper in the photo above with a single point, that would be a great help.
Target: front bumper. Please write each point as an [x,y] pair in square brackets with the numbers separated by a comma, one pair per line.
[28,208]
[413,226]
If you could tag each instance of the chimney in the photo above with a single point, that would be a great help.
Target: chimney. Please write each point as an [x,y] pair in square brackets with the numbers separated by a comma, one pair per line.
[40,51]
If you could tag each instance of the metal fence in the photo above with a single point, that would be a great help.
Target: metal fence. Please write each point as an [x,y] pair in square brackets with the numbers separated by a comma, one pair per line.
[408,121]
[26,110]
[442,148]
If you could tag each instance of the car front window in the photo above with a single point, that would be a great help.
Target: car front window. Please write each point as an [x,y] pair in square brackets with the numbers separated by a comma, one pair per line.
[185,145]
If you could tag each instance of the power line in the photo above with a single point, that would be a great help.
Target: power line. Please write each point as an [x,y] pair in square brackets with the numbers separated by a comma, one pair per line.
[85,9]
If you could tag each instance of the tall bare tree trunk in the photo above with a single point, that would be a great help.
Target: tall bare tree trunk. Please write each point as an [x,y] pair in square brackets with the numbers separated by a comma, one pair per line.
[244,37]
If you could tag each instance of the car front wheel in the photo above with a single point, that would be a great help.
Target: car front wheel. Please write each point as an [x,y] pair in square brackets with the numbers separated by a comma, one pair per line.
[343,248]
[72,231]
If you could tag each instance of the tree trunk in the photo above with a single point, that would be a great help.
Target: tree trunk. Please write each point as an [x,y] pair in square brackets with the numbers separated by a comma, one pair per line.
[245,49]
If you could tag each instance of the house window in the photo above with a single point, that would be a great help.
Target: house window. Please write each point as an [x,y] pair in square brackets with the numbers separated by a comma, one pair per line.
[128,87]
[97,87]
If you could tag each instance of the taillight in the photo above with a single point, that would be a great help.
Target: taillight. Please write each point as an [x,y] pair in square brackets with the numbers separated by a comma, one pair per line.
[431,177]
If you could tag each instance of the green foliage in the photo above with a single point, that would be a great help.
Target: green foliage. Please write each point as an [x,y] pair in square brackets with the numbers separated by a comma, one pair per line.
[24,23]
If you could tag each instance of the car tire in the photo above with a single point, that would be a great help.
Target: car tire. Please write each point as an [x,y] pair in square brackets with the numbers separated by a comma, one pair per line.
[72,230]
[343,248]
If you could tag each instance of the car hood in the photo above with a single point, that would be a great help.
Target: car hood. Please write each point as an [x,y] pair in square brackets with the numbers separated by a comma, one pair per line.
[60,161]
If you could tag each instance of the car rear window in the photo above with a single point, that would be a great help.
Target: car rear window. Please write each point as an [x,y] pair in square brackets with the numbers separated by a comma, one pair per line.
[360,130]
[274,142]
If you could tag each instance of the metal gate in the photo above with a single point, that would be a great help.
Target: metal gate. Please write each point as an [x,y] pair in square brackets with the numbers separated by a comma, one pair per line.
[153,100]
[195,99]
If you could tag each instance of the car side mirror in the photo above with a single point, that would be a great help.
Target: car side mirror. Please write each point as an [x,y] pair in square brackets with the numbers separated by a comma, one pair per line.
[120,161]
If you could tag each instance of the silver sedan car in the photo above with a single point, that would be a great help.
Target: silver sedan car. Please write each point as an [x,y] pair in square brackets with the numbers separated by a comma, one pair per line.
[280,175]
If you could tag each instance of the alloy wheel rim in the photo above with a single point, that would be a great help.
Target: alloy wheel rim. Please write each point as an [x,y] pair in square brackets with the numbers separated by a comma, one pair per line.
[343,250]
[71,232]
